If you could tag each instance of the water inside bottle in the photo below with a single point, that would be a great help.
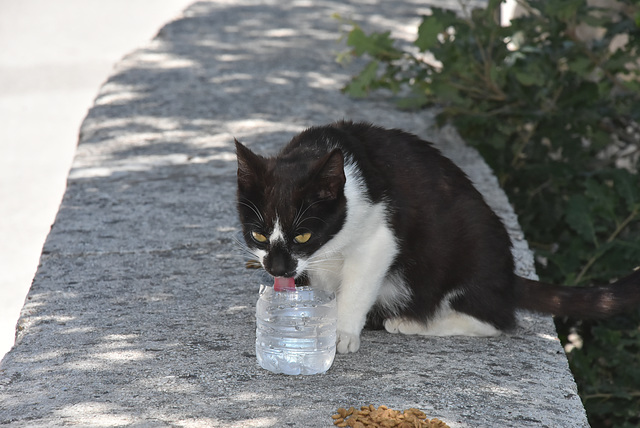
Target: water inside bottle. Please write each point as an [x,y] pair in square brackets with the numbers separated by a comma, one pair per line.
[296,330]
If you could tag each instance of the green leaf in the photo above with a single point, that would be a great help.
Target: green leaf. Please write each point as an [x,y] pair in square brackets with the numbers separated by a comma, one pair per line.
[413,102]
[578,218]
[433,25]
[428,33]
[529,77]
[361,84]
[375,45]
[627,186]
[603,199]
[563,10]
[444,91]
[580,65]
[358,40]
[584,95]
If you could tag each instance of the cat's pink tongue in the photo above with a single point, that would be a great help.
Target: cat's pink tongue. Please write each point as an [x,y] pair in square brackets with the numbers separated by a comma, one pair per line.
[284,284]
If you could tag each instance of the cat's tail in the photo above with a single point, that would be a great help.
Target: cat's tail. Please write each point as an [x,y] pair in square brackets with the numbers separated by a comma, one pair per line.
[579,302]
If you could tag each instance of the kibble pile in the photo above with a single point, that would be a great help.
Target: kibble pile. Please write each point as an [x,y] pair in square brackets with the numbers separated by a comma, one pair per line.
[384,417]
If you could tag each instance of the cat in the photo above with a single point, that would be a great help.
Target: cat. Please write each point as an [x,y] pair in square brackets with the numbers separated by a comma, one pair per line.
[399,232]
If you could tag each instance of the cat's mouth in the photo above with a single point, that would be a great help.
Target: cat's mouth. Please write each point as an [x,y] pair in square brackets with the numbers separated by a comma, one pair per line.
[284,275]
[280,274]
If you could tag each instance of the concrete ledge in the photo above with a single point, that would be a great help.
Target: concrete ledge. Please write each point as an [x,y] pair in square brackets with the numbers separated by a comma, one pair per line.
[141,313]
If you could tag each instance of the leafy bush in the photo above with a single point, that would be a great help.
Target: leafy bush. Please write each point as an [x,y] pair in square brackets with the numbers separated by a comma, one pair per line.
[555,115]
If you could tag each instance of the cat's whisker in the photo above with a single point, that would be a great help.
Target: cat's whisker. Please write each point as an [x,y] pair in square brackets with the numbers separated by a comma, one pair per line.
[255,278]
[298,220]
[244,249]
[322,261]
[298,215]
[255,225]
[318,270]
[240,246]
[312,218]
[316,266]
[333,255]
[321,265]
[253,208]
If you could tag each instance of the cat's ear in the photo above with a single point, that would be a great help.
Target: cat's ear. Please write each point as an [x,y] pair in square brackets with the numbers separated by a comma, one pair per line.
[250,165]
[329,175]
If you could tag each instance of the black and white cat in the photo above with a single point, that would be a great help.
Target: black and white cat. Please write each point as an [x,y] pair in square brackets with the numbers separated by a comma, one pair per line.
[399,232]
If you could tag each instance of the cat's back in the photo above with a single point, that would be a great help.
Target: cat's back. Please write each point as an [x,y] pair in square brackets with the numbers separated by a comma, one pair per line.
[392,162]
[398,161]
[390,149]
[361,141]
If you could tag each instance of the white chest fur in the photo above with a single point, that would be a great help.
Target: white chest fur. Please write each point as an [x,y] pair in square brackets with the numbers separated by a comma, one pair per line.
[355,263]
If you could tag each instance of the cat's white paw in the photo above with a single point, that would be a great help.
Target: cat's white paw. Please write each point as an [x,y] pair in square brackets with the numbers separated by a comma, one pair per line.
[392,324]
[347,342]
[404,326]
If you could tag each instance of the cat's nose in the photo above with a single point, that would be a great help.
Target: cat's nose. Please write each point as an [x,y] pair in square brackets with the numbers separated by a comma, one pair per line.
[279,268]
[278,263]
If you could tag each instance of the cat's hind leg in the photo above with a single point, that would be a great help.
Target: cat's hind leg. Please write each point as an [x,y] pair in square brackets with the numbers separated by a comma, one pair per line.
[451,324]
[445,321]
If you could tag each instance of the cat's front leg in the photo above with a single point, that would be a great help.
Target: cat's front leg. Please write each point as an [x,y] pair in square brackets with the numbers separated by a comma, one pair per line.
[347,342]
[353,306]
[364,270]
[355,300]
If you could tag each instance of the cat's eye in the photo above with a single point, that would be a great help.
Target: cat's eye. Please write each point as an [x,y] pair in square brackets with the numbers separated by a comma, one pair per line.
[302,238]
[259,237]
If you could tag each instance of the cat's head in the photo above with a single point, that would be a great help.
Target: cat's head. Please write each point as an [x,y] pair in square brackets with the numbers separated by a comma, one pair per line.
[290,205]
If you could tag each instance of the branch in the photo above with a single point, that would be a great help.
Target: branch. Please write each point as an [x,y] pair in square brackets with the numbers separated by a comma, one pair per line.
[613,236]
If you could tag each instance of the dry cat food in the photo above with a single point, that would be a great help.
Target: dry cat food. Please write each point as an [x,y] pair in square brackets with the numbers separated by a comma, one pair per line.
[384,417]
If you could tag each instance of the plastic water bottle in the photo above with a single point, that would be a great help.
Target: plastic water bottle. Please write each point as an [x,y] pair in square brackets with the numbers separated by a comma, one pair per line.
[296,330]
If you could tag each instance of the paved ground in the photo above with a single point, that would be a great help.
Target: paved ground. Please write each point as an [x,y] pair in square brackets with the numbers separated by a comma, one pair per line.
[141,313]
[53,57]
